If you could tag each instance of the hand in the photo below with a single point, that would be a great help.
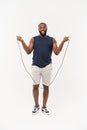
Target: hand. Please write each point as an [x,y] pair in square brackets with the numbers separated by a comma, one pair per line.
[19,38]
[65,39]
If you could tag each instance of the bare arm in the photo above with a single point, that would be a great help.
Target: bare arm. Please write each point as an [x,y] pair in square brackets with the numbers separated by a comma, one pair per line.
[56,48]
[28,48]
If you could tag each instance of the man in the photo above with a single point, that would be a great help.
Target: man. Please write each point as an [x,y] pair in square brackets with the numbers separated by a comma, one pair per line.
[42,47]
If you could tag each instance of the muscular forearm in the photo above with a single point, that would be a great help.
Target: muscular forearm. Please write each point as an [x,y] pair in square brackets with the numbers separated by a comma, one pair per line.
[59,48]
[25,46]
[29,48]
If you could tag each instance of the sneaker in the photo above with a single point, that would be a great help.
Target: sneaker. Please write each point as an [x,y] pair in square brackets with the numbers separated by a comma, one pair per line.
[45,111]
[36,110]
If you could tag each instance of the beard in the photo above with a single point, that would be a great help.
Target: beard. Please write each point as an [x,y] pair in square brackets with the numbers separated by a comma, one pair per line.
[43,34]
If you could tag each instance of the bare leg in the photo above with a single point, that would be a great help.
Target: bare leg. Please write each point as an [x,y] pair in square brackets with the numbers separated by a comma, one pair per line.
[45,95]
[36,94]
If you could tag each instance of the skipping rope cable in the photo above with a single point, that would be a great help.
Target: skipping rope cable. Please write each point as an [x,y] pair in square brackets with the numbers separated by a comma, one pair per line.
[57,69]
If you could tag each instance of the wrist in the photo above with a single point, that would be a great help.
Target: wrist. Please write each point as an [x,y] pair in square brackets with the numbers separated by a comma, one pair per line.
[63,41]
[22,40]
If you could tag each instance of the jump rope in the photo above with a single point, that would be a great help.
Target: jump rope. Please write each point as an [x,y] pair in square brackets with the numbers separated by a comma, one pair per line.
[56,71]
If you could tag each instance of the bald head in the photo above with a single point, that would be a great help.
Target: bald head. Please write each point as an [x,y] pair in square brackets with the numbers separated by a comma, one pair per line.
[42,23]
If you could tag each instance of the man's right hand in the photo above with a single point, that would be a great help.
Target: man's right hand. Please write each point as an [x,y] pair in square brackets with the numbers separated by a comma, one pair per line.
[19,38]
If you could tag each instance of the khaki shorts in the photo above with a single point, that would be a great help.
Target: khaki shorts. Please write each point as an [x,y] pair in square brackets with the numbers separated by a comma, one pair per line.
[41,73]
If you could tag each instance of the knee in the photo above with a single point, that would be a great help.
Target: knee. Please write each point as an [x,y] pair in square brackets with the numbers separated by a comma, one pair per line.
[35,87]
[46,87]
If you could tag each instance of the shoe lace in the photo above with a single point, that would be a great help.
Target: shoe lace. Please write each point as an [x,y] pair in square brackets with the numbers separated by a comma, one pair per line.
[36,108]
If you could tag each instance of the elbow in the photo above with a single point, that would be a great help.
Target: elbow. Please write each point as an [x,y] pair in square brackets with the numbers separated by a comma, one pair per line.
[56,52]
[28,52]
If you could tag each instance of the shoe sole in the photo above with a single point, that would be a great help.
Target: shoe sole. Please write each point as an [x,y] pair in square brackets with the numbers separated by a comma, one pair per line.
[45,113]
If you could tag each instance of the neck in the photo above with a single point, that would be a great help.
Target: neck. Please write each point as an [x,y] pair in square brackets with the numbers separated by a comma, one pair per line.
[43,36]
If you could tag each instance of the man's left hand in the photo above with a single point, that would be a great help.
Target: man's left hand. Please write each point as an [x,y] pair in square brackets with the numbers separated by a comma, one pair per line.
[65,39]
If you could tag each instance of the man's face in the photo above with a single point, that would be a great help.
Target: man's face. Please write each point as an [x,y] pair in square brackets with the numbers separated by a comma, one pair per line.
[42,29]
